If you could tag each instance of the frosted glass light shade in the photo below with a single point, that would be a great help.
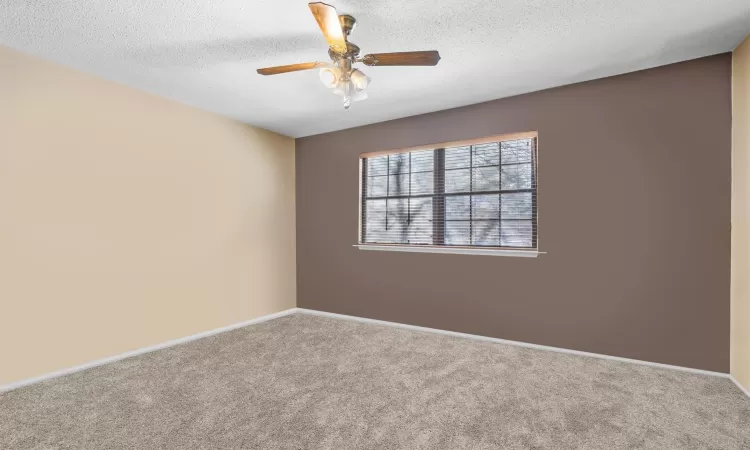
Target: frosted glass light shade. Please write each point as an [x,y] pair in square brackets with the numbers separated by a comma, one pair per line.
[359,79]
[343,88]
[329,76]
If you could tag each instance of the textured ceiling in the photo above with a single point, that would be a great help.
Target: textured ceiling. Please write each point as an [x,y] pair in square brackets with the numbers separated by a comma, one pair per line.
[205,53]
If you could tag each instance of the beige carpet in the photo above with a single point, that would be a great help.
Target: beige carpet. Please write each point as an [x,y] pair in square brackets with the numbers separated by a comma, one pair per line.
[305,382]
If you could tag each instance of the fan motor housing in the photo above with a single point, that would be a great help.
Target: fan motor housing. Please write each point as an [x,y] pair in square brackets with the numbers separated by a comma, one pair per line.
[352,51]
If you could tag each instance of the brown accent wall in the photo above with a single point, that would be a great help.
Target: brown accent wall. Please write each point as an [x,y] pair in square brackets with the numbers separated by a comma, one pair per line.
[634,207]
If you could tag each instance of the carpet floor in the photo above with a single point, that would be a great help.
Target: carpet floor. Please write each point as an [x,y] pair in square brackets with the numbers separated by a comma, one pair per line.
[308,382]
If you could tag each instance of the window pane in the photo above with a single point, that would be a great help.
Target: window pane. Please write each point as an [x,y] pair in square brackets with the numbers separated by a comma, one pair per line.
[516,151]
[457,180]
[486,232]
[516,233]
[375,221]
[422,161]
[457,233]
[397,210]
[398,184]
[485,206]
[516,205]
[421,183]
[398,214]
[458,207]
[486,154]
[375,209]
[420,225]
[516,176]
[376,186]
[398,163]
[377,165]
[486,178]
[457,157]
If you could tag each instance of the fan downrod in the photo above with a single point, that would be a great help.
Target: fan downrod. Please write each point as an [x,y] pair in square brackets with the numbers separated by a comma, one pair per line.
[347,23]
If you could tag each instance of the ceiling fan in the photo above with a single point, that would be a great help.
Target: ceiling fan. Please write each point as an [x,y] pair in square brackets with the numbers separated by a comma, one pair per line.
[339,75]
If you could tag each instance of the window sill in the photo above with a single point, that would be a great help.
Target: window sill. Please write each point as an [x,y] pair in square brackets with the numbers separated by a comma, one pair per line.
[451,250]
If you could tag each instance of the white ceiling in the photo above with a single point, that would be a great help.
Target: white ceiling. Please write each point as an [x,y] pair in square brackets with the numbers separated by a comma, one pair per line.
[204,52]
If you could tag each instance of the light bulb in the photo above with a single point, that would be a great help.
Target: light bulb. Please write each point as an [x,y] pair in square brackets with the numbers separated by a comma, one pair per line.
[359,79]
[330,76]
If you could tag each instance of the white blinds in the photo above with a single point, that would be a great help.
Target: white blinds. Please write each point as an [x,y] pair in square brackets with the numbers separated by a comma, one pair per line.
[479,195]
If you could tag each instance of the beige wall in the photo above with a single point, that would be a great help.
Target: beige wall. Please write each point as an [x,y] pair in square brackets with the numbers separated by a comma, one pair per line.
[740,352]
[127,220]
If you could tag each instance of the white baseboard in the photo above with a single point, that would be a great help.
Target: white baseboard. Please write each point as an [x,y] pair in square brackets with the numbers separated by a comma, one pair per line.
[140,351]
[516,343]
[59,373]
[742,388]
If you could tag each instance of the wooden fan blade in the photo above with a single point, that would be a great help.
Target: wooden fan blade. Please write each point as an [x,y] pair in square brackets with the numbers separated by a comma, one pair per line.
[289,68]
[328,21]
[426,58]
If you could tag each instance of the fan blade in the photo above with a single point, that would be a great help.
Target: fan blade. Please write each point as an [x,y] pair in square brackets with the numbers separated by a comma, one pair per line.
[289,68]
[328,21]
[427,58]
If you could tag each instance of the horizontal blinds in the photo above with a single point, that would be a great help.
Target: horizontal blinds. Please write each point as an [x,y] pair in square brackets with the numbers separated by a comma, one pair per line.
[481,195]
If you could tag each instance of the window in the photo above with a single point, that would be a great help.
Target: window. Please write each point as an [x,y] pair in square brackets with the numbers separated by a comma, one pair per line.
[473,194]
